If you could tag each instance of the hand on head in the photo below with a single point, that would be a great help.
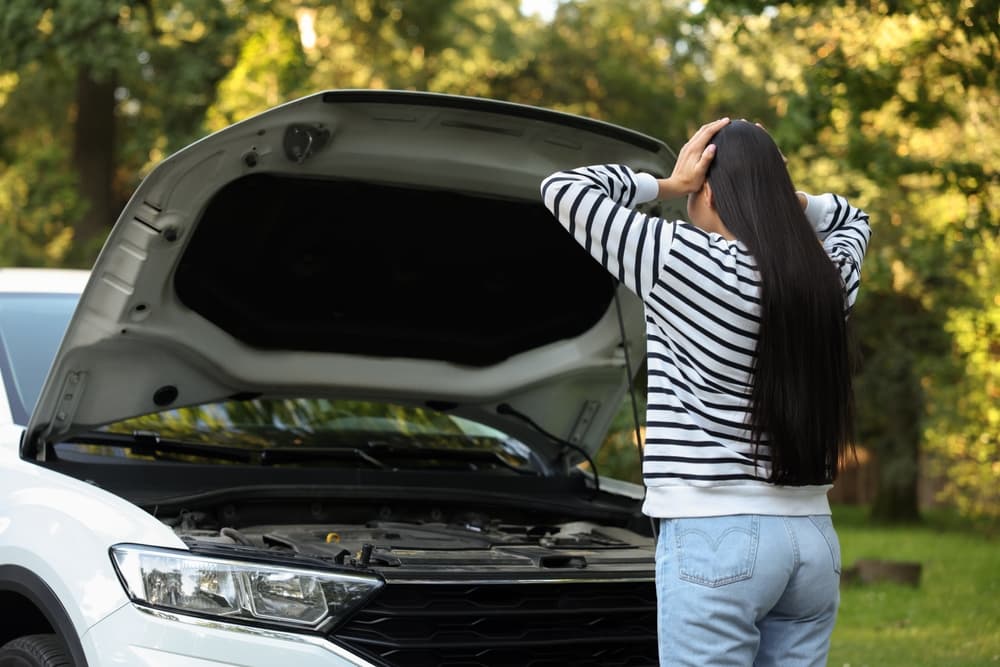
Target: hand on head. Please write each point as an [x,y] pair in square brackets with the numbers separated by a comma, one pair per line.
[692,162]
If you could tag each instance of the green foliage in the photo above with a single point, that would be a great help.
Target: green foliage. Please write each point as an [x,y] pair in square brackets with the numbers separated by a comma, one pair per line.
[163,66]
[38,196]
[454,46]
[639,63]
[38,202]
[269,67]
[894,105]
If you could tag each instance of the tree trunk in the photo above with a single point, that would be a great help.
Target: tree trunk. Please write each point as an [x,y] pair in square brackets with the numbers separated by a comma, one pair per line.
[896,499]
[93,156]
[897,447]
[890,399]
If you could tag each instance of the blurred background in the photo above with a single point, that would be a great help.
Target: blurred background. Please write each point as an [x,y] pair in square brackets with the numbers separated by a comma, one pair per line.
[893,103]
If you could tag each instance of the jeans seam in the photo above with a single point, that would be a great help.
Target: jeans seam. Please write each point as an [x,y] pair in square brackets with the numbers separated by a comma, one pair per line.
[835,558]
[796,557]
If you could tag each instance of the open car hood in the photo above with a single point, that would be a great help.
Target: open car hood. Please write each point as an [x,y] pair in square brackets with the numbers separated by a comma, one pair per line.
[374,244]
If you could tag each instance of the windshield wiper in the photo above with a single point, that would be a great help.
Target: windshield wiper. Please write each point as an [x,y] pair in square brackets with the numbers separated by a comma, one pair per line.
[386,450]
[381,454]
[149,443]
[374,454]
[278,455]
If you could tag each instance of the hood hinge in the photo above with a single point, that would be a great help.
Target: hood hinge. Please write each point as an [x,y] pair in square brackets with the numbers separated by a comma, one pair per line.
[65,409]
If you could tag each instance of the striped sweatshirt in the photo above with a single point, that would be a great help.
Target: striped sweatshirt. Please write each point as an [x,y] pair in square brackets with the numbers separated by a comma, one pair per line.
[701,295]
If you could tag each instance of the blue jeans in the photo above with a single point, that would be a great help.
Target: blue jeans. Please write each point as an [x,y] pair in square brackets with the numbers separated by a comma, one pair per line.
[746,590]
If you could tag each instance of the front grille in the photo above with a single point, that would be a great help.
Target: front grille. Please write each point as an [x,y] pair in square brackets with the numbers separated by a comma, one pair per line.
[583,624]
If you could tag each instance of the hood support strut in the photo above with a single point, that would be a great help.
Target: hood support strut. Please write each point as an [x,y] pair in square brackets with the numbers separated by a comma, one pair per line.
[632,396]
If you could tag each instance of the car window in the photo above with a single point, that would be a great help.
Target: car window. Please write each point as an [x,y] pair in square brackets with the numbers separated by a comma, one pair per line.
[31,328]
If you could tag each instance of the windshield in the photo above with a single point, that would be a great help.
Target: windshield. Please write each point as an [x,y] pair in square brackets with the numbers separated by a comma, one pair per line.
[314,431]
[31,328]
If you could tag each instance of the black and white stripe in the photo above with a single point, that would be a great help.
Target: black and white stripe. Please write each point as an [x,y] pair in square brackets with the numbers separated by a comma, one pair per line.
[702,297]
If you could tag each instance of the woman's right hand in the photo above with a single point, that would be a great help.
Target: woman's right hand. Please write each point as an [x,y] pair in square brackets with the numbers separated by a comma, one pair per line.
[692,162]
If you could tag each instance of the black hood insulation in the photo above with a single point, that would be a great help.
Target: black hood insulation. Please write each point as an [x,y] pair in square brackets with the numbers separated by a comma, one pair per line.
[356,268]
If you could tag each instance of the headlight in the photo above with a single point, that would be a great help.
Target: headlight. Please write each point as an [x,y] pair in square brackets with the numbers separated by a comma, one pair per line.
[237,590]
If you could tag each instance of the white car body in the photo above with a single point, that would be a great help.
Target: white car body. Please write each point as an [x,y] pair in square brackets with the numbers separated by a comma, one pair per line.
[135,345]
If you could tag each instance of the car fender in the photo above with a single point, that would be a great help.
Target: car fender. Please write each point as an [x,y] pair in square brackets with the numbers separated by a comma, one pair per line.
[59,530]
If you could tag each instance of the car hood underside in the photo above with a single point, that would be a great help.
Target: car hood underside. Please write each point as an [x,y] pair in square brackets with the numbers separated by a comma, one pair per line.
[370,244]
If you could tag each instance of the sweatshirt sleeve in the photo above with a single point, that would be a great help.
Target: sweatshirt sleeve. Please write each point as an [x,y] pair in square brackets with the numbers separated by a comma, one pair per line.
[594,204]
[844,231]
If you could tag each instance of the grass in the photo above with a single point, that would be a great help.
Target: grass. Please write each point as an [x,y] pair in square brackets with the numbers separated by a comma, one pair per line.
[952,619]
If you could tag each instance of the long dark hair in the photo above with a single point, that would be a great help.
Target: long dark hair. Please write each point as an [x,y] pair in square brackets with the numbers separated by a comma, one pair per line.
[801,396]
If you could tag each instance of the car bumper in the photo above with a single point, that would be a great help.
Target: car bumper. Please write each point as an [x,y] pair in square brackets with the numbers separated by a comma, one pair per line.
[141,637]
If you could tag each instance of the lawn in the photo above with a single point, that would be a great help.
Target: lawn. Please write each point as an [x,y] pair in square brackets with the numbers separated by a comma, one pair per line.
[952,619]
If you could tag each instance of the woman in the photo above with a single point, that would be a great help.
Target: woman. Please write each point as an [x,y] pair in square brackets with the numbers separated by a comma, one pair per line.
[749,387]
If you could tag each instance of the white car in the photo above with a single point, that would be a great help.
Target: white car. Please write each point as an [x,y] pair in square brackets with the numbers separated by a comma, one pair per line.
[330,396]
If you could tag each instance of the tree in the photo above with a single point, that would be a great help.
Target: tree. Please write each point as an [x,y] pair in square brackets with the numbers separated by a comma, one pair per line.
[890,104]
[457,46]
[108,66]
[640,64]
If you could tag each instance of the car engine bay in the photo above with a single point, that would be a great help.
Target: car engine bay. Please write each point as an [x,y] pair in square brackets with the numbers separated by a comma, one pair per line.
[428,542]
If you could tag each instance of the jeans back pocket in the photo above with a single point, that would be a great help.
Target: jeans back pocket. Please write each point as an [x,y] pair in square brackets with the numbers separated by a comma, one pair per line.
[824,524]
[718,550]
